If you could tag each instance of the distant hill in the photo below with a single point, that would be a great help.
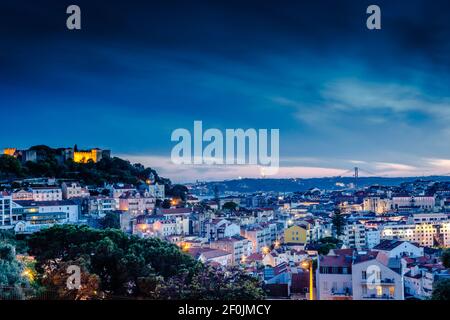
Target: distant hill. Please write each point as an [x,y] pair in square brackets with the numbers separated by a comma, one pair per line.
[299,184]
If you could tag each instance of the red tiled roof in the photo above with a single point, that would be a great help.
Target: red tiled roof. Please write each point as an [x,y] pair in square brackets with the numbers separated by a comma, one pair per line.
[336,261]
[176,211]
[255,257]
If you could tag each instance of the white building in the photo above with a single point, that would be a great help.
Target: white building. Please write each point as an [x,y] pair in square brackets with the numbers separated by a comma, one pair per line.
[334,276]
[136,203]
[354,235]
[216,256]
[99,205]
[261,235]
[345,274]
[377,277]
[373,237]
[46,193]
[165,228]
[426,234]
[239,247]
[22,195]
[6,214]
[419,218]
[157,191]
[377,205]
[73,190]
[220,228]
[37,215]
[420,202]
[118,190]
[397,249]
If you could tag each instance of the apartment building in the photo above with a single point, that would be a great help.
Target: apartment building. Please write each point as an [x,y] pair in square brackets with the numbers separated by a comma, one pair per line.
[73,190]
[426,234]
[376,276]
[334,276]
[406,203]
[136,203]
[377,205]
[220,228]
[397,249]
[37,215]
[373,237]
[46,193]
[238,246]
[22,195]
[6,214]
[354,235]
[370,275]
[261,235]
[98,206]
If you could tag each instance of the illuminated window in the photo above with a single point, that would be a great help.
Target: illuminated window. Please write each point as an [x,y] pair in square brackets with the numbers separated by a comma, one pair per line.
[379,290]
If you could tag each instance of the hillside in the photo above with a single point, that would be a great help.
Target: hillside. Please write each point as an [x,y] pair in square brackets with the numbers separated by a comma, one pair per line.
[107,170]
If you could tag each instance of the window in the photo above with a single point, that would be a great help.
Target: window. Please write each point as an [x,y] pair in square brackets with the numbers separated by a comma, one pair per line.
[379,291]
[391,291]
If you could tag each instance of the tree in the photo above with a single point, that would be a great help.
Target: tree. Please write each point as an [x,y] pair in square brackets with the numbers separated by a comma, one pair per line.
[166,204]
[230,205]
[446,258]
[10,167]
[56,278]
[212,284]
[116,264]
[110,220]
[338,222]
[441,290]
[178,191]
[330,240]
[11,281]
[117,259]
[325,248]
[111,170]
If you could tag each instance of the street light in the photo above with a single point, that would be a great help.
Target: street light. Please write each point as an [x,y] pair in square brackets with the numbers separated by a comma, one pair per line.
[308,264]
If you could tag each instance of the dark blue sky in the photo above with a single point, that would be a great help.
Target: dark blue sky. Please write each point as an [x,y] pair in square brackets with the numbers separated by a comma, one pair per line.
[340,94]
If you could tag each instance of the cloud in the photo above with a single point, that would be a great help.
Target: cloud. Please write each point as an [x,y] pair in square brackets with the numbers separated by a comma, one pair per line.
[345,95]
[440,165]
[394,166]
[332,168]
[189,173]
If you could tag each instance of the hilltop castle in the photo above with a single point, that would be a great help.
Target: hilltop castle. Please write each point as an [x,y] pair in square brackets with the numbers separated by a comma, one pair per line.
[61,154]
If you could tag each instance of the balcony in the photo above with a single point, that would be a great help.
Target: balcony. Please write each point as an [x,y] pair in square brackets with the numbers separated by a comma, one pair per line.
[375,297]
[385,282]
[345,292]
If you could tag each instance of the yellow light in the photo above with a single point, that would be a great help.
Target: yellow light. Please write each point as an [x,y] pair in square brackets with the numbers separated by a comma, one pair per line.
[185,246]
[305,264]
[28,273]
[265,250]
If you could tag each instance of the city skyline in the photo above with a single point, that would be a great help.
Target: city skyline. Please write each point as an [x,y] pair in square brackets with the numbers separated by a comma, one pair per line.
[341,95]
